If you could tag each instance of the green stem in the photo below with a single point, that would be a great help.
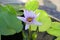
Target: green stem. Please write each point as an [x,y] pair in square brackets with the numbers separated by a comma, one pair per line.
[0,37]
[24,33]
[35,34]
[29,36]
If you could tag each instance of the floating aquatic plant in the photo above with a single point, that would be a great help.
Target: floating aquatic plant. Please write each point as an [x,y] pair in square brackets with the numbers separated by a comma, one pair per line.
[33,18]
[30,18]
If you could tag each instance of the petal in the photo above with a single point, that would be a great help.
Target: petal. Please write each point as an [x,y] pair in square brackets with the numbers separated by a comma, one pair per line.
[22,19]
[25,13]
[37,23]
[29,13]
[27,26]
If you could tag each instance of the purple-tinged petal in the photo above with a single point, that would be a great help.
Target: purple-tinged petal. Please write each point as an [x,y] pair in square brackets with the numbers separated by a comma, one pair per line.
[37,23]
[32,14]
[29,14]
[22,19]
[27,26]
[25,13]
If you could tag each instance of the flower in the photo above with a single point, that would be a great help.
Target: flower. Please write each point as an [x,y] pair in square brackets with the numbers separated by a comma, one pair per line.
[29,18]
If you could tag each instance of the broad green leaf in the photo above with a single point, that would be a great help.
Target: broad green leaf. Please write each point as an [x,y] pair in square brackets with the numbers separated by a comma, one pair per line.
[58,38]
[0,37]
[33,27]
[32,5]
[44,19]
[7,31]
[16,7]
[55,25]
[11,9]
[55,32]
[9,24]
[32,0]
[55,29]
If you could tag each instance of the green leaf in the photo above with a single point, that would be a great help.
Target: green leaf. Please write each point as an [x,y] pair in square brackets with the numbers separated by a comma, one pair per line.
[9,24]
[11,9]
[17,8]
[0,37]
[55,29]
[58,38]
[33,27]
[32,5]
[7,31]
[34,35]
[44,19]
[55,32]
[55,25]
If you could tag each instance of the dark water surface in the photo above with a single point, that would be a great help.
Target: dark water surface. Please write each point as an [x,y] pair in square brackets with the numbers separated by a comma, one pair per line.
[17,36]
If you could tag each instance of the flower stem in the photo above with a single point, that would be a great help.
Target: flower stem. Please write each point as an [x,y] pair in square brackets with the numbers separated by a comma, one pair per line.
[29,36]
[35,34]
[25,35]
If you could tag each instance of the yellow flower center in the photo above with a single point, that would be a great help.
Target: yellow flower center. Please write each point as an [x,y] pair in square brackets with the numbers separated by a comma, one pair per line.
[29,19]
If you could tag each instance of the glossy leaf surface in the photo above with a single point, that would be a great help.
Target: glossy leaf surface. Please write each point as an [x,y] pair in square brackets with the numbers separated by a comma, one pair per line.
[44,19]
[32,5]
[55,32]
[9,24]
[55,25]
[55,29]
